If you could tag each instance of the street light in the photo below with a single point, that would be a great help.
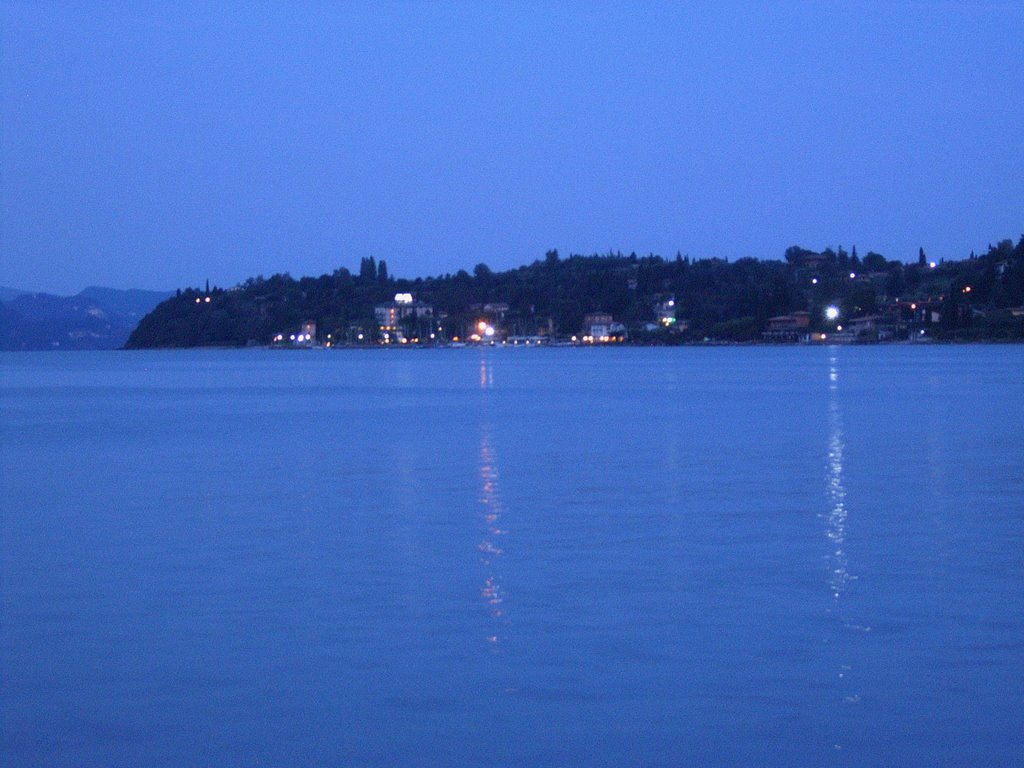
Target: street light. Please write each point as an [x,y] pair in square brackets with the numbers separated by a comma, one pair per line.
[832,312]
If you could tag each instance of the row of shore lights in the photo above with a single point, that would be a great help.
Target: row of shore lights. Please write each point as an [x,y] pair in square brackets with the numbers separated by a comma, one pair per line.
[298,338]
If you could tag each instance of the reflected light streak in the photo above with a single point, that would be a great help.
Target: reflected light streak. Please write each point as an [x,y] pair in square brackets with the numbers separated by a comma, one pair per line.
[839,573]
[835,529]
[486,373]
[491,591]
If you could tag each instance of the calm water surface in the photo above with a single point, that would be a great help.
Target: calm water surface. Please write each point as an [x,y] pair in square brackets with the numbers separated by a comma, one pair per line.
[528,557]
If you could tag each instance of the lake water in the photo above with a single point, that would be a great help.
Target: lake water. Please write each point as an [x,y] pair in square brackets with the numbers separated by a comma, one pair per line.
[523,557]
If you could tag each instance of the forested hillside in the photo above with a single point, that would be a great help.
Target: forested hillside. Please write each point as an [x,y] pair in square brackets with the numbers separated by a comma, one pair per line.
[713,299]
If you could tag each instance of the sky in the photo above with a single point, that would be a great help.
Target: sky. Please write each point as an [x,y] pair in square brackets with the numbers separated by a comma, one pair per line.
[158,145]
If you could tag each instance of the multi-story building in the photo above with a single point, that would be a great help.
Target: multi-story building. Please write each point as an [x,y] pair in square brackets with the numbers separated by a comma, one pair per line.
[393,317]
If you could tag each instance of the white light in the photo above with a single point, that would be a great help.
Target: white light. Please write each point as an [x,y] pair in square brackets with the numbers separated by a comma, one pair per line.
[933,265]
[292,337]
[360,337]
[853,275]
[489,331]
[814,281]
[671,302]
[403,298]
[832,313]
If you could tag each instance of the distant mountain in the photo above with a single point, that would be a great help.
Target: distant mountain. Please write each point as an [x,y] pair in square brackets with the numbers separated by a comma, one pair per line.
[6,294]
[96,318]
[129,303]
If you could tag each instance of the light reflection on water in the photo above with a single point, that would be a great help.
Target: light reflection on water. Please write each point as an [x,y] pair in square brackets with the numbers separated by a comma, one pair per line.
[839,573]
[490,511]
[836,517]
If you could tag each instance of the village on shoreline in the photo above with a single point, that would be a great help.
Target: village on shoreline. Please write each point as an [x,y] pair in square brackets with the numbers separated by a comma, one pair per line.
[405,322]
[810,297]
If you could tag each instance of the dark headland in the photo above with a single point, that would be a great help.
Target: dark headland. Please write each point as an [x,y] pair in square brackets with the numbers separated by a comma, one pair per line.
[809,296]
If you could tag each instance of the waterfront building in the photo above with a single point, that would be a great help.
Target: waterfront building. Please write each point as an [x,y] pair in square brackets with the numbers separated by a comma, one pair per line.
[396,319]
[791,327]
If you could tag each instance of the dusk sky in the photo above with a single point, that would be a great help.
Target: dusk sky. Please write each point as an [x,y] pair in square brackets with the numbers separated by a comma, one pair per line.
[158,145]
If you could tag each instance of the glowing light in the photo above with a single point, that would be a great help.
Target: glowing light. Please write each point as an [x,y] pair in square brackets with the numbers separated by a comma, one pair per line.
[475,337]
[432,336]
[360,337]
[814,281]
[913,306]
[832,312]
[671,302]
[853,275]
[207,299]
[292,337]
[403,298]
[839,327]
[967,289]
[573,339]
[932,265]
[481,326]
[198,300]
[489,331]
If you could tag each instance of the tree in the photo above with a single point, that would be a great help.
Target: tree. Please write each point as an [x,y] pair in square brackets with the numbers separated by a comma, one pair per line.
[875,262]
[921,260]
[382,271]
[368,269]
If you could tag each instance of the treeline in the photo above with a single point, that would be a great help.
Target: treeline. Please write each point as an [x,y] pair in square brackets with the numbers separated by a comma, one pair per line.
[713,298]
